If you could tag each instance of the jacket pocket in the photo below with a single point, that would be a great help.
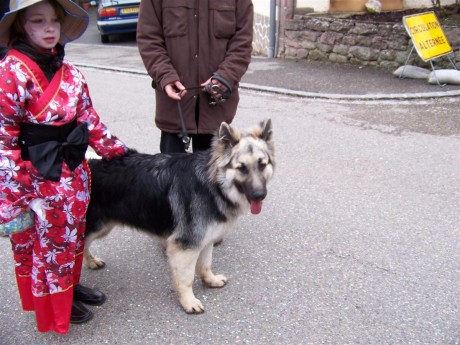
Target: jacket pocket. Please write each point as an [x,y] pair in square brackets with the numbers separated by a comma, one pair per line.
[223,17]
[175,17]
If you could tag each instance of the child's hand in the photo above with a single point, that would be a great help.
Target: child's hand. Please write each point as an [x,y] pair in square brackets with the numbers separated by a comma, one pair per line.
[39,206]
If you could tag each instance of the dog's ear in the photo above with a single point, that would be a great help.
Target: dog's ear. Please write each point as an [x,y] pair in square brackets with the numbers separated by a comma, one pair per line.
[228,135]
[266,133]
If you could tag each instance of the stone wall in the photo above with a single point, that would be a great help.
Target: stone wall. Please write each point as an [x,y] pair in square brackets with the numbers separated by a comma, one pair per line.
[341,40]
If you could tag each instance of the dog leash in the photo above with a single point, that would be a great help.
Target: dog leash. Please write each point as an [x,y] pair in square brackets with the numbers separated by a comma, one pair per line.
[183,135]
[213,90]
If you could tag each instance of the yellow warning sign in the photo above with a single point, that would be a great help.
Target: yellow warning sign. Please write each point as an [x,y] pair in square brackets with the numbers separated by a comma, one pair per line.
[427,35]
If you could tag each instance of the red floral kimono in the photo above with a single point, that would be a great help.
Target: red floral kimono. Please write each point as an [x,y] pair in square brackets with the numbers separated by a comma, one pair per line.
[48,256]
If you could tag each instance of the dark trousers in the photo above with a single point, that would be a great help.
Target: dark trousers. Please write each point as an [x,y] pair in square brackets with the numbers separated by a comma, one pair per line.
[171,143]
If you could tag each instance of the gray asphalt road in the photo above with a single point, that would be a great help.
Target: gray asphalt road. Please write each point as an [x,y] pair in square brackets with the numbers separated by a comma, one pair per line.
[357,242]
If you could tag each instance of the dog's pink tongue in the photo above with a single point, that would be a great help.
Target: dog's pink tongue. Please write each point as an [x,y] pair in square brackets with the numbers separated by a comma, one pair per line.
[256,207]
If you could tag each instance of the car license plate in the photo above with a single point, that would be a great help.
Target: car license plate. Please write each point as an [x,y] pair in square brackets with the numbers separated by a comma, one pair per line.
[130,10]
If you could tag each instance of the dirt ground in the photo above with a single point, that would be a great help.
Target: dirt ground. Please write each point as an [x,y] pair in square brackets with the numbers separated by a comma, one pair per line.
[447,15]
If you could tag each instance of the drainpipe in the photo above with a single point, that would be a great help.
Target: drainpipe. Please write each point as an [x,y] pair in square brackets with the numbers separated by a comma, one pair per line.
[286,11]
[272,30]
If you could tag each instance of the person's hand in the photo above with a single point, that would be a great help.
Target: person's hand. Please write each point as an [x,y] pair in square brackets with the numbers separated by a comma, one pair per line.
[215,82]
[175,90]
[39,206]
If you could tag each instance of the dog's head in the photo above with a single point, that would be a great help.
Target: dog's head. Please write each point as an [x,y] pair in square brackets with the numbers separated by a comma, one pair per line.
[243,162]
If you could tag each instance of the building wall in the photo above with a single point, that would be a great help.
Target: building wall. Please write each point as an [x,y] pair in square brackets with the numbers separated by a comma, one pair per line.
[260,42]
[317,5]
[261,27]
[262,7]
[360,5]
[424,3]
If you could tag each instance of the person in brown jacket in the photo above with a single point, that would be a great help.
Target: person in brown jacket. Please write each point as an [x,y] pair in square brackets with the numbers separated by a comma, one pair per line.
[203,45]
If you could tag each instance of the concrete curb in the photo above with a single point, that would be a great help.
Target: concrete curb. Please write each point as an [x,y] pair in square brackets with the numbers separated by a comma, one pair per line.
[303,94]
[333,96]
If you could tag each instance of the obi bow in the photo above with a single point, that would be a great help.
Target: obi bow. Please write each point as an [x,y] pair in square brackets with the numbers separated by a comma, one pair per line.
[47,157]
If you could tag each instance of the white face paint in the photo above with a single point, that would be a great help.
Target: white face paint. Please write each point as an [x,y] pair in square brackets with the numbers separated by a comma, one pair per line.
[42,25]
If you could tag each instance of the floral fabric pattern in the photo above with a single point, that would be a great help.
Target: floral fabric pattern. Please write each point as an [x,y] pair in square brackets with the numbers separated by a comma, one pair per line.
[48,255]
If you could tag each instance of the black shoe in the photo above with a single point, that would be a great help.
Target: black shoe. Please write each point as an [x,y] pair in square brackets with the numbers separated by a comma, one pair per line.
[87,295]
[79,313]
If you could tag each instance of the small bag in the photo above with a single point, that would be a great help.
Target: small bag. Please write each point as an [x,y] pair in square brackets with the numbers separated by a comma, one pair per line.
[22,222]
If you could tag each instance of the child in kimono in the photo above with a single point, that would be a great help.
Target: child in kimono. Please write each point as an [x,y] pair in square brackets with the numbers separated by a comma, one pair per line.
[46,123]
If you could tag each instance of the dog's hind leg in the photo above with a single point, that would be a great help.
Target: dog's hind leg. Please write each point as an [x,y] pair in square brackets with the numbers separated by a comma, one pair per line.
[90,261]
[183,263]
[203,268]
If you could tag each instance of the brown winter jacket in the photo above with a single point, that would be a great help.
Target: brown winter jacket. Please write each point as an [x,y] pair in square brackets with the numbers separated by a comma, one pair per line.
[189,40]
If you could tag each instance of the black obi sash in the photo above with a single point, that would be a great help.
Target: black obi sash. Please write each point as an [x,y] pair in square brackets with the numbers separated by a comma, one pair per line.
[48,146]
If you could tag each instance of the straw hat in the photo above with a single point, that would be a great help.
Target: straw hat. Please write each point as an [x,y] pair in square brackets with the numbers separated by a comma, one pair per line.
[73,26]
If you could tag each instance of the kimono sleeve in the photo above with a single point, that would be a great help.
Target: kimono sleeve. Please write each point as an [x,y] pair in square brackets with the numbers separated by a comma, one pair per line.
[101,140]
[16,181]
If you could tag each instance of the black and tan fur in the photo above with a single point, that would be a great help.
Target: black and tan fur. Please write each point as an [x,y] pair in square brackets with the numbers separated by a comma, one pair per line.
[190,201]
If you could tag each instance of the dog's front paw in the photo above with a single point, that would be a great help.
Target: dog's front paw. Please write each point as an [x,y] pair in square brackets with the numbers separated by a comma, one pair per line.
[216,281]
[95,263]
[192,306]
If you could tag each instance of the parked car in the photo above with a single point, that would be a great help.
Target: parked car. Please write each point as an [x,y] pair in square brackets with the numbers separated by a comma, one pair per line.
[116,17]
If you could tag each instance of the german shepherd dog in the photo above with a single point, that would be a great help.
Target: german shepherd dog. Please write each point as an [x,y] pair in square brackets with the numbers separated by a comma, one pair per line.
[188,200]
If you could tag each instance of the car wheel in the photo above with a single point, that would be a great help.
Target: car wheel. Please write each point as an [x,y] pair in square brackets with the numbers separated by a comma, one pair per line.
[105,38]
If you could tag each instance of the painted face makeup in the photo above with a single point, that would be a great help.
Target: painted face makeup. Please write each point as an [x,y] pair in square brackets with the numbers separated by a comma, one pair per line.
[42,25]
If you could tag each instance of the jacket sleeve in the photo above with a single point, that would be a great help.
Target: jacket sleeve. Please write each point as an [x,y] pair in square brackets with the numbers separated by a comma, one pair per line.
[239,48]
[151,43]
[17,189]
[101,140]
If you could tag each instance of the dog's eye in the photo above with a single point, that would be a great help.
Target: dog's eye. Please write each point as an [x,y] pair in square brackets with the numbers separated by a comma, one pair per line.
[242,169]
[262,165]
